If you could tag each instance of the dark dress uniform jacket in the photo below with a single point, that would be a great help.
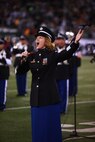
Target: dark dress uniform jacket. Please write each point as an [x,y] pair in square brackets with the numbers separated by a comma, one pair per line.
[63,70]
[4,68]
[43,67]
[20,69]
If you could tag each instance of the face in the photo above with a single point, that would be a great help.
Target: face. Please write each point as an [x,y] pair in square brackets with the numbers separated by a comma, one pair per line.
[23,41]
[60,42]
[40,42]
[7,38]
[1,46]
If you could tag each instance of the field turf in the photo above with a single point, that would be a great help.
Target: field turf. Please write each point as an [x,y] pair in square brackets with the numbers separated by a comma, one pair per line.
[15,123]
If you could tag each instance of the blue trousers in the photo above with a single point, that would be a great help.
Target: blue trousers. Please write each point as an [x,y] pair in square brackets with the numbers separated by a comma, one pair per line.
[46,124]
[63,87]
[3,88]
[21,80]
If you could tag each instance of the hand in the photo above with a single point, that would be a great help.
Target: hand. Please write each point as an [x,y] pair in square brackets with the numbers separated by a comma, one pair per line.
[25,54]
[3,61]
[79,35]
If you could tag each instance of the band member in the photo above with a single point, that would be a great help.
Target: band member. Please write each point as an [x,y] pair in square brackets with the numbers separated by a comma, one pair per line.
[75,63]
[45,99]
[5,62]
[62,73]
[21,75]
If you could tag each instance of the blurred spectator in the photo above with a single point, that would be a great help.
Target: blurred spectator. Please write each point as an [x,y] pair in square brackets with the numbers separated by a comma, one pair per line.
[26,15]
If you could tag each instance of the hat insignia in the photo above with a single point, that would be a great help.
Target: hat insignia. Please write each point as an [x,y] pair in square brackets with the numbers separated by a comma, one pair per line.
[41,28]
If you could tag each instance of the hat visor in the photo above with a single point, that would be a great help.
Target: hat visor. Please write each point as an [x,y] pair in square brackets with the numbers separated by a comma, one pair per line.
[41,34]
[45,35]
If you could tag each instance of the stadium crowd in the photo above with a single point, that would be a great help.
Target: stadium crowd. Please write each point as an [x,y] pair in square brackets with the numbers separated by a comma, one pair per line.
[63,15]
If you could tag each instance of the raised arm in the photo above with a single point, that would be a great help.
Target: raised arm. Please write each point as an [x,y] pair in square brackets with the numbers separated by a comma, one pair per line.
[79,35]
[71,48]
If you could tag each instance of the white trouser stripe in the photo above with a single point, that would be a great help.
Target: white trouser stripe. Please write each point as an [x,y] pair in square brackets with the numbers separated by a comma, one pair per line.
[5,91]
[67,100]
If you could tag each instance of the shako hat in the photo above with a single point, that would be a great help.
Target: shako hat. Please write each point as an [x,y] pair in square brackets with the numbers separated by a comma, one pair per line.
[22,37]
[61,36]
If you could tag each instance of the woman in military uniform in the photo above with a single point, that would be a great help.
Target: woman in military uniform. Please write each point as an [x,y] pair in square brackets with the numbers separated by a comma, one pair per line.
[45,100]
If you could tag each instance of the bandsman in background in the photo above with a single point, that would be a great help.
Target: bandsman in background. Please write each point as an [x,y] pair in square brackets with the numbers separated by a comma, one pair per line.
[74,62]
[62,73]
[8,43]
[21,75]
[5,62]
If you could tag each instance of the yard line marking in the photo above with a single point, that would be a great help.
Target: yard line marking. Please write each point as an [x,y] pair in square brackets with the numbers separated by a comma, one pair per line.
[15,90]
[79,137]
[83,130]
[18,108]
[92,123]
[26,107]
[91,136]
[72,138]
[83,102]
[67,125]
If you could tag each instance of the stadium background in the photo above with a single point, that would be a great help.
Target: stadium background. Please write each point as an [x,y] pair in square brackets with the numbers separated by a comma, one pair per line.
[24,17]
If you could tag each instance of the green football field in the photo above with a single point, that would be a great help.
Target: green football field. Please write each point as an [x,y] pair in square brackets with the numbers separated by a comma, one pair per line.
[15,123]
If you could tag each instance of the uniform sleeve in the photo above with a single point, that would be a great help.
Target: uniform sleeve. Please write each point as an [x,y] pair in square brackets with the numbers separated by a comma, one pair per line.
[64,55]
[22,66]
[8,58]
